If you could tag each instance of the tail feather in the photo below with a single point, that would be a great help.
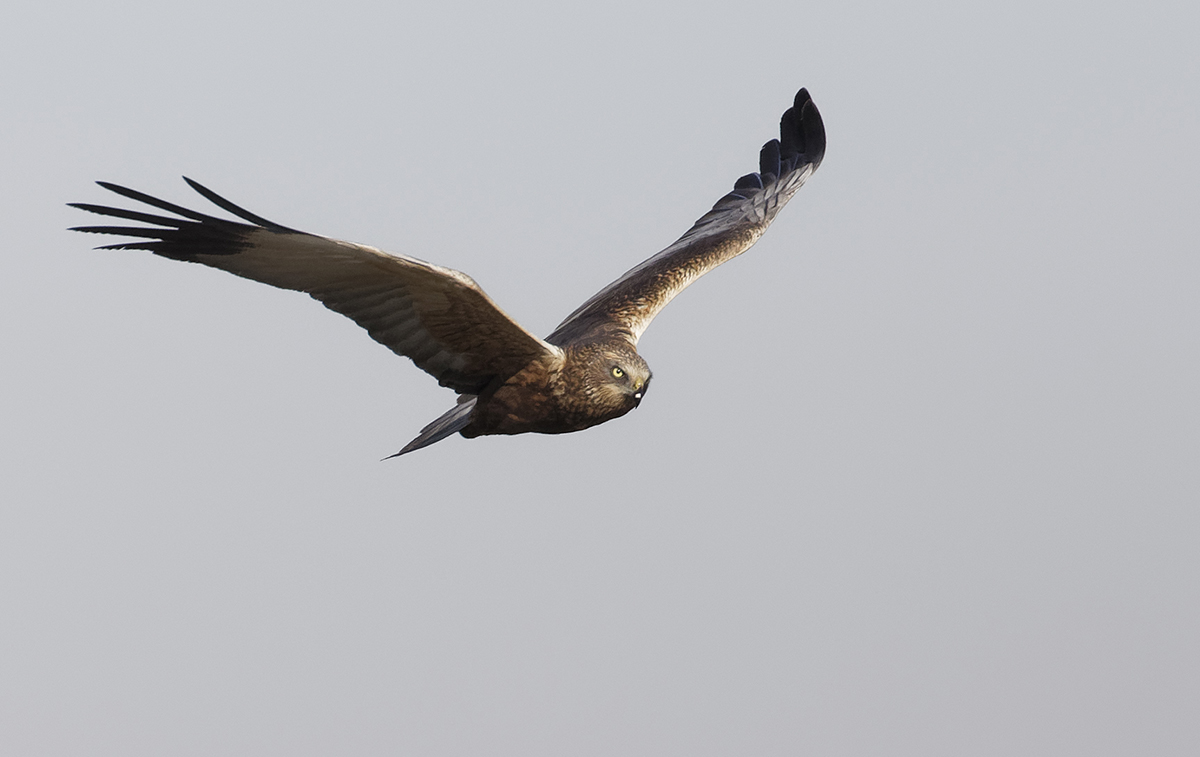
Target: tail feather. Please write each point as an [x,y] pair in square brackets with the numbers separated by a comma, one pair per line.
[452,421]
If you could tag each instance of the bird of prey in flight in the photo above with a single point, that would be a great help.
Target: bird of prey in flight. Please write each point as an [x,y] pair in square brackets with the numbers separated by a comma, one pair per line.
[587,371]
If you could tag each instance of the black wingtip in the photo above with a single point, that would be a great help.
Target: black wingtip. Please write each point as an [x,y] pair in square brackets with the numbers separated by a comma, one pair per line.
[190,237]
[770,163]
[801,129]
[237,210]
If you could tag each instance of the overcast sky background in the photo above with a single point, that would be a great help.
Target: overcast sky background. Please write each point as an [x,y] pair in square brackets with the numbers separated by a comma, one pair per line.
[918,475]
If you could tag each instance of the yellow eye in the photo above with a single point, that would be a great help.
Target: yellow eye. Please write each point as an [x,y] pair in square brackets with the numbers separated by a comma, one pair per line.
[617,371]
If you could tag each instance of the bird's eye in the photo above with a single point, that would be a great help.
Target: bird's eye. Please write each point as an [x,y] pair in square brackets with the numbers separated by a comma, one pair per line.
[617,371]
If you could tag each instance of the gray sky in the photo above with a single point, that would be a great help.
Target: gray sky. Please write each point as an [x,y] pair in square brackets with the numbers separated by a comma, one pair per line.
[917,475]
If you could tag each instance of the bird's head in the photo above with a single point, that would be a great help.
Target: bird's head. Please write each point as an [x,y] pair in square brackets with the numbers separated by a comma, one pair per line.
[619,376]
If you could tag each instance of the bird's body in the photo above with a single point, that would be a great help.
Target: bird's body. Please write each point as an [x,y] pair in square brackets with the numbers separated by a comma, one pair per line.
[555,397]
[586,372]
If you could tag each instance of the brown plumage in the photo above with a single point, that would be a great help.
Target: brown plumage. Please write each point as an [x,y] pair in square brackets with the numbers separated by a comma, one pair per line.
[585,372]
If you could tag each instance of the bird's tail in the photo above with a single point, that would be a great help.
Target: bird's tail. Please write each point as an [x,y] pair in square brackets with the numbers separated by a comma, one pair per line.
[453,420]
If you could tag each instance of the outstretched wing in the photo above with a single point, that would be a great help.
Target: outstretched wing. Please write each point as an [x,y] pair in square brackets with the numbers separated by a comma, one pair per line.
[436,316]
[627,305]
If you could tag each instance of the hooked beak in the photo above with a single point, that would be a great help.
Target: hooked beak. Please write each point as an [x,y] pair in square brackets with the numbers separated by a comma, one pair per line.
[639,391]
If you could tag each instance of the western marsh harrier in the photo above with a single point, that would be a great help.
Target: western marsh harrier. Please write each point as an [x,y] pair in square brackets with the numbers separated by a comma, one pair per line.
[587,371]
